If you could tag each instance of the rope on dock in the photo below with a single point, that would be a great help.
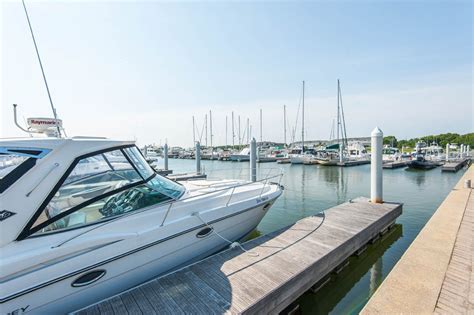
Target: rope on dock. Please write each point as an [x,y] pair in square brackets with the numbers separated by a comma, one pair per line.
[232,244]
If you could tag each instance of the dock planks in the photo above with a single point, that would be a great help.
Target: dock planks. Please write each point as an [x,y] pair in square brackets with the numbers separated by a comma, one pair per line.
[455,166]
[289,262]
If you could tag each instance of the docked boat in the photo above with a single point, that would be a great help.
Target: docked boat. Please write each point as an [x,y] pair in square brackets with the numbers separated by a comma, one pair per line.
[83,219]
[421,163]
[242,156]
[390,154]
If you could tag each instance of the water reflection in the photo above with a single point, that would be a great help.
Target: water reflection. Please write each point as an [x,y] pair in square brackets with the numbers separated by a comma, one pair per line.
[328,297]
[310,189]
[418,176]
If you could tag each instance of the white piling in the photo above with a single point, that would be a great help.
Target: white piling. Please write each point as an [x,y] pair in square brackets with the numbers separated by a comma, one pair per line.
[253,160]
[197,155]
[165,156]
[462,151]
[468,151]
[447,152]
[376,180]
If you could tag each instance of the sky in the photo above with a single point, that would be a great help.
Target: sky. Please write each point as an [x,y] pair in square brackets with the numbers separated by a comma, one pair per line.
[141,70]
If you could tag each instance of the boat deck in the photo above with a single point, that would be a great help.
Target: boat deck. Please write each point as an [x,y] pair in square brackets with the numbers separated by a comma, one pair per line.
[276,269]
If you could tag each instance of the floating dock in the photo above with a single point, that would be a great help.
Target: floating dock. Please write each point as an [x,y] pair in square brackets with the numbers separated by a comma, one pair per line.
[164,172]
[455,166]
[395,164]
[289,262]
[186,176]
[436,273]
[353,163]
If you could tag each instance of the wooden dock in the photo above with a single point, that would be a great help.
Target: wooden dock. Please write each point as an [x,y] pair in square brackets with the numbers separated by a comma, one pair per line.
[455,166]
[395,164]
[289,262]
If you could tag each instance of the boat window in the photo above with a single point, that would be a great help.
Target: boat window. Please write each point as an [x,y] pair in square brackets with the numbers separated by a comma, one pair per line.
[15,162]
[104,186]
[132,199]
[8,163]
[91,177]
[142,166]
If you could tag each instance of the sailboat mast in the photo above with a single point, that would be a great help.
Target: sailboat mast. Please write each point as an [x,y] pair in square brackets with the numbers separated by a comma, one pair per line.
[261,127]
[240,139]
[284,123]
[205,127]
[341,142]
[194,132]
[226,131]
[210,125]
[338,116]
[302,124]
[343,118]
[233,133]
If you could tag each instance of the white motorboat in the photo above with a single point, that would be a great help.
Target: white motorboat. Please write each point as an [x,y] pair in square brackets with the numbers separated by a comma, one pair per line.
[242,156]
[86,218]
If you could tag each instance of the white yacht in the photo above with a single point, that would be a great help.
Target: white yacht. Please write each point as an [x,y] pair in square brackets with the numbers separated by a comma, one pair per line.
[82,219]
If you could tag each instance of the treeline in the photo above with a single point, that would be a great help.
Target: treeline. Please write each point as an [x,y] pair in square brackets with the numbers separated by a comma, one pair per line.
[441,140]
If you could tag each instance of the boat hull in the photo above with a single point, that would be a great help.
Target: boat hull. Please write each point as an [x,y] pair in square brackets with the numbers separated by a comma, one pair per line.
[141,264]
[239,157]
[328,162]
[422,165]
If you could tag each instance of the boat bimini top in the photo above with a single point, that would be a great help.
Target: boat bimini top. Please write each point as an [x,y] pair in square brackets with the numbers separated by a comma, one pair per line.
[50,185]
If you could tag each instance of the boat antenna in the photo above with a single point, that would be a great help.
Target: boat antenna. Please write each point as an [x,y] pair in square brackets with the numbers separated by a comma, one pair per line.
[42,70]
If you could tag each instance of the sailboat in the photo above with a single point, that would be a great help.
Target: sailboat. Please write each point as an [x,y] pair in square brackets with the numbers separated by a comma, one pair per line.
[334,153]
[299,158]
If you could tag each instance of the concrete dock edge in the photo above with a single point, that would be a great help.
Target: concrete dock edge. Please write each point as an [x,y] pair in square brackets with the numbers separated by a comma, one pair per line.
[414,284]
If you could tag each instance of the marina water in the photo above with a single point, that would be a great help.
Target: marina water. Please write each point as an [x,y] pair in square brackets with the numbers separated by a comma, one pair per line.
[310,189]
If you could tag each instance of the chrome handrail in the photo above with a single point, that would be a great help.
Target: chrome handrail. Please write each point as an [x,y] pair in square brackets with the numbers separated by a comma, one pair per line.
[166,214]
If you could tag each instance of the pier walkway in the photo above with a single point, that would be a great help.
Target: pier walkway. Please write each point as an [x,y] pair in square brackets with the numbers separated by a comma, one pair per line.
[435,274]
[289,262]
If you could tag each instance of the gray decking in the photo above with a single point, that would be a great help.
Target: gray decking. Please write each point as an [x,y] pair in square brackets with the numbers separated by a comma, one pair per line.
[289,262]
[455,166]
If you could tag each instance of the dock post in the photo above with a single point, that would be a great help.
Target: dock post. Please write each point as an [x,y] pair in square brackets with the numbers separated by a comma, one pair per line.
[165,156]
[197,155]
[253,160]
[447,152]
[376,169]
[468,151]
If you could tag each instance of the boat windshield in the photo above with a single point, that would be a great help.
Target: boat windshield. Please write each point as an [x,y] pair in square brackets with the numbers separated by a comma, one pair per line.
[105,185]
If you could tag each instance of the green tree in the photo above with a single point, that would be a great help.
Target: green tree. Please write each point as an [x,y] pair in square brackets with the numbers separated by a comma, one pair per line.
[390,140]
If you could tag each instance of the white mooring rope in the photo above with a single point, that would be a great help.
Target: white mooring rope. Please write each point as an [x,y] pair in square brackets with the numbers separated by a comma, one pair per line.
[232,244]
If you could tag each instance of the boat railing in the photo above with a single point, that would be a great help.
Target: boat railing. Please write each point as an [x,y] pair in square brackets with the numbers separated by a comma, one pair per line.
[172,202]
[232,188]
